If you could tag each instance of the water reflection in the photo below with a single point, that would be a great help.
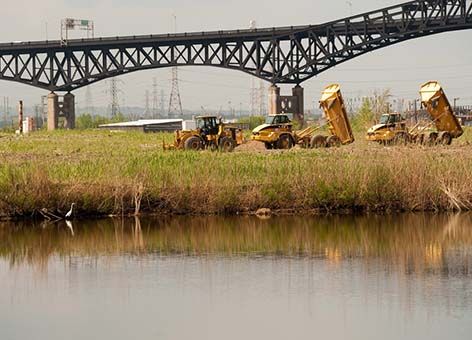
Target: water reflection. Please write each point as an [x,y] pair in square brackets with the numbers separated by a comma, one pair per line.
[416,243]
[404,276]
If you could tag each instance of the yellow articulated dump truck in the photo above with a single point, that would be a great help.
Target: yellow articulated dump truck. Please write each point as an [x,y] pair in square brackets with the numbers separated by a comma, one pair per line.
[392,128]
[210,133]
[435,101]
[278,133]
[332,103]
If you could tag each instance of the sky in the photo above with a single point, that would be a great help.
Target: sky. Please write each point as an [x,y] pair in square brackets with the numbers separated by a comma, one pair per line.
[402,68]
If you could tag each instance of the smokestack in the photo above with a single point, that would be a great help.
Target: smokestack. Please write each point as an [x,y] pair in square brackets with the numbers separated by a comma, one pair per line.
[20,117]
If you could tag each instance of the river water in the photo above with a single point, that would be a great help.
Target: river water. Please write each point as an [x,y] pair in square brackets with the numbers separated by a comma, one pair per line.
[371,277]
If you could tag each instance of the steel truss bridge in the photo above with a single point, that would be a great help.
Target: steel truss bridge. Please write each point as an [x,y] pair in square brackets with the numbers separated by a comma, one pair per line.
[289,55]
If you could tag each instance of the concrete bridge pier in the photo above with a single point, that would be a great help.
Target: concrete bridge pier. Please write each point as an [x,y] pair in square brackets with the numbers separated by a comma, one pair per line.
[293,104]
[61,107]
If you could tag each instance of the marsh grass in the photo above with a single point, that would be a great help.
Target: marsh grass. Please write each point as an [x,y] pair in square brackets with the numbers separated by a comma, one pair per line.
[129,173]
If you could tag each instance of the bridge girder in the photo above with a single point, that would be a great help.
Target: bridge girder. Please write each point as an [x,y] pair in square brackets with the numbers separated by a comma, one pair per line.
[288,55]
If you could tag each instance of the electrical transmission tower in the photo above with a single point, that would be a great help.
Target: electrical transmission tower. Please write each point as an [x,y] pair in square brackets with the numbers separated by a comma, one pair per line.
[155,100]
[114,92]
[147,110]
[162,104]
[262,99]
[253,97]
[175,103]
[88,101]
[6,110]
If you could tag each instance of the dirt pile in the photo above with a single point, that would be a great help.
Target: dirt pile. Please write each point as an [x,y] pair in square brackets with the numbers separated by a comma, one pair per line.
[251,146]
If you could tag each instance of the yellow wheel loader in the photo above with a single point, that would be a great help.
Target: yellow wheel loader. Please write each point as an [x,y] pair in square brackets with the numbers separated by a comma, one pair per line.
[210,133]
[278,133]
[392,128]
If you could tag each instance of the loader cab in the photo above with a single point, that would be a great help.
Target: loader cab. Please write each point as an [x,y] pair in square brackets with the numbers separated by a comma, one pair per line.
[208,125]
[392,120]
[278,120]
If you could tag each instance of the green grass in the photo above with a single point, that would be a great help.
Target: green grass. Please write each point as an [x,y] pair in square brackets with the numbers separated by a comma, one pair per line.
[109,173]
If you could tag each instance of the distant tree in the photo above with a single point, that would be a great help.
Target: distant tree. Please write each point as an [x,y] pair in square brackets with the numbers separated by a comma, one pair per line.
[365,116]
[252,121]
[87,121]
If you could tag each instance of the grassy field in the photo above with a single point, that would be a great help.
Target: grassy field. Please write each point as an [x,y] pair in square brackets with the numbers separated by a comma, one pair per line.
[127,173]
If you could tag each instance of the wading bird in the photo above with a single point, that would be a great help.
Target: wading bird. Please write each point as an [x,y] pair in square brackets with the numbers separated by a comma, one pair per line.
[70,212]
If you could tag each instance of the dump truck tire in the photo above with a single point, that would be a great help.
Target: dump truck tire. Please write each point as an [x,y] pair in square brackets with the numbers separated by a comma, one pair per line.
[401,139]
[268,146]
[445,138]
[432,138]
[227,144]
[333,142]
[318,141]
[193,144]
[284,143]
[420,139]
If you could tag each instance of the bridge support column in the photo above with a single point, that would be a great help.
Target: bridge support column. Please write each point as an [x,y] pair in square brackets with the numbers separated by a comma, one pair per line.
[293,104]
[53,111]
[68,111]
[61,109]
[274,100]
[299,108]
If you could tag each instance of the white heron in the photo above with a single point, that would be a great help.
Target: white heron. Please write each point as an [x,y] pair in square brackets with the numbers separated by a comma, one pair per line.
[70,212]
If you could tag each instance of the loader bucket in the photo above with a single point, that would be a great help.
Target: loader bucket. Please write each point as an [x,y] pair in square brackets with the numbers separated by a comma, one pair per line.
[436,103]
[332,104]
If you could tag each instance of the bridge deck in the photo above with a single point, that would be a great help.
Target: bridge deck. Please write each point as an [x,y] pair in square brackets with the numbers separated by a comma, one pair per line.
[280,55]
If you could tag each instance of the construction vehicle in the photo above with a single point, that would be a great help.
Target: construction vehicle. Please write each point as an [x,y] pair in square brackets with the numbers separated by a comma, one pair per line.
[210,133]
[392,128]
[339,127]
[278,133]
[435,101]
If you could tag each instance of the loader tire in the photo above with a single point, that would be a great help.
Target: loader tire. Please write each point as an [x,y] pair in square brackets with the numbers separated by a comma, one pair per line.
[445,138]
[193,144]
[284,143]
[268,146]
[227,144]
[333,142]
[318,141]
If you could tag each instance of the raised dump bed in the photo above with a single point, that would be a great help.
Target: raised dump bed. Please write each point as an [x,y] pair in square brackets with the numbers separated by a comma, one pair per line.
[332,103]
[436,103]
